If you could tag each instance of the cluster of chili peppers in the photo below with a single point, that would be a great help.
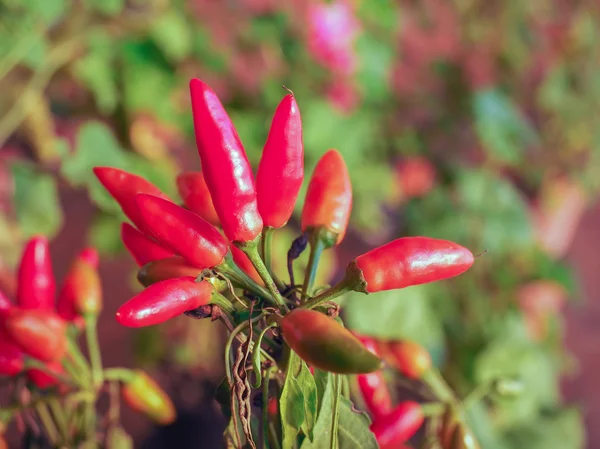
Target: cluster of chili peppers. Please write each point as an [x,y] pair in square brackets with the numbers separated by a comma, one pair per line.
[55,388]
[209,256]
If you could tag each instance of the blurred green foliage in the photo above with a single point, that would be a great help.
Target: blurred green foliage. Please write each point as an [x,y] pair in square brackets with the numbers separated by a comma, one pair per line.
[498,99]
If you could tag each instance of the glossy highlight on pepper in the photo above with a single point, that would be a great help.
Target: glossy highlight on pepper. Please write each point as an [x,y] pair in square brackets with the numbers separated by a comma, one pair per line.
[398,426]
[225,166]
[36,285]
[142,248]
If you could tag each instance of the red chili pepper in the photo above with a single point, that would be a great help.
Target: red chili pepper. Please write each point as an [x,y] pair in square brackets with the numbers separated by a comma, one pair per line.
[11,356]
[329,197]
[123,187]
[242,261]
[194,238]
[81,291]
[225,166]
[89,255]
[370,343]
[375,393]
[164,300]
[409,261]
[5,304]
[36,285]
[196,196]
[44,380]
[273,408]
[398,426]
[163,269]
[142,248]
[281,169]
[144,395]
[410,358]
[40,333]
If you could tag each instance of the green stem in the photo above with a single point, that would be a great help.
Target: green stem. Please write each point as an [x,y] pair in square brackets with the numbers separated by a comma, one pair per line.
[432,409]
[438,385]
[60,418]
[47,422]
[336,411]
[267,252]
[79,361]
[119,374]
[91,332]
[34,363]
[477,394]
[114,409]
[223,303]
[328,295]
[265,411]
[238,277]
[316,249]
[250,248]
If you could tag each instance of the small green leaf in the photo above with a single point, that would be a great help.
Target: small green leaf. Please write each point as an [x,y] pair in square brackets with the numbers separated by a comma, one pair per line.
[291,404]
[307,384]
[172,34]
[557,429]
[37,205]
[48,10]
[107,7]
[104,234]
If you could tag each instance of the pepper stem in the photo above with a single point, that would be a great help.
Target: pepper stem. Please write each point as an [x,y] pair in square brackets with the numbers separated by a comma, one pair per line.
[119,374]
[317,246]
[91,322]
[438,385]
[251,250]
[266,253]
[329,295]
[237,276]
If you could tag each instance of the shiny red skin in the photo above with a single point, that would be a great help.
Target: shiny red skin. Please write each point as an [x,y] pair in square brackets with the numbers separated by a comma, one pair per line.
[242,261]
[11,356]
[164,300]
[43,380]
[412,261]
[225,166]
[36,284]
[73,284]
[5,304]
[123,187]
[184,232]
[375,393]
[398,426]
[370,343]
[328,200]
[142,248]
[196,196]
[281,169]
[40,333]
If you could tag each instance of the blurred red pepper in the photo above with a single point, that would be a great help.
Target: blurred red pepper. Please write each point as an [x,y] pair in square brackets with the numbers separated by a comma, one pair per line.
[281,169]
[89,255]
[225,166]
[36,285]
[144,395]
[81,290]
[11,356]
[242,261]
[164,300]
[42,379]
[123,187]
[142,248]
[410,358]
[328,200]
[5,304]
[39,333]
[398,426]
[196,196]
[163,269]
[375,393]
[186,233]
[408,261]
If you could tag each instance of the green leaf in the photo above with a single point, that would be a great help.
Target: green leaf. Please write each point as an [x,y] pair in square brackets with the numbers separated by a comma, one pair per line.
[38,48]
[291,404]
[104,234]
[376,58]
[48,10]
[36,201]
[353,425]
[107,7]
[172,34]
[501,127]
[306,383]
[558,429]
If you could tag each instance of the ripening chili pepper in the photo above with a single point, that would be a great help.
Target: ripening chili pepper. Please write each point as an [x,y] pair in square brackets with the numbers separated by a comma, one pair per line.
[186,233]
[169,268]
[328,200]
[410,358]
[281,168]
[11,356]
[123,187]
[144,395]
[399,425]
[408,261]
[43,379]
[89,255]
[325,344]
[142,248]
[375,393]
[36,285]
[81,291]
[196,196]
[242,261]
[39,333]
[225,166]
[164,300]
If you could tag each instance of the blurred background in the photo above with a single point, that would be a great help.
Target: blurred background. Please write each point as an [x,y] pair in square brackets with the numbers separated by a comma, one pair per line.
[468,120]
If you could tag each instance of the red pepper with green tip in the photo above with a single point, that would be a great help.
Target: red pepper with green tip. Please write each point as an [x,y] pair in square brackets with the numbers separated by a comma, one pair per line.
[142,248]
[325,344]
[328,200]
[408,261]
[225,166]
[398,426]
[123,187]
[164,300]
[410,358]
[36,284]
[40,333]
[196,196]
[144,395]
[375,393]
[181,230]
[281,169]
